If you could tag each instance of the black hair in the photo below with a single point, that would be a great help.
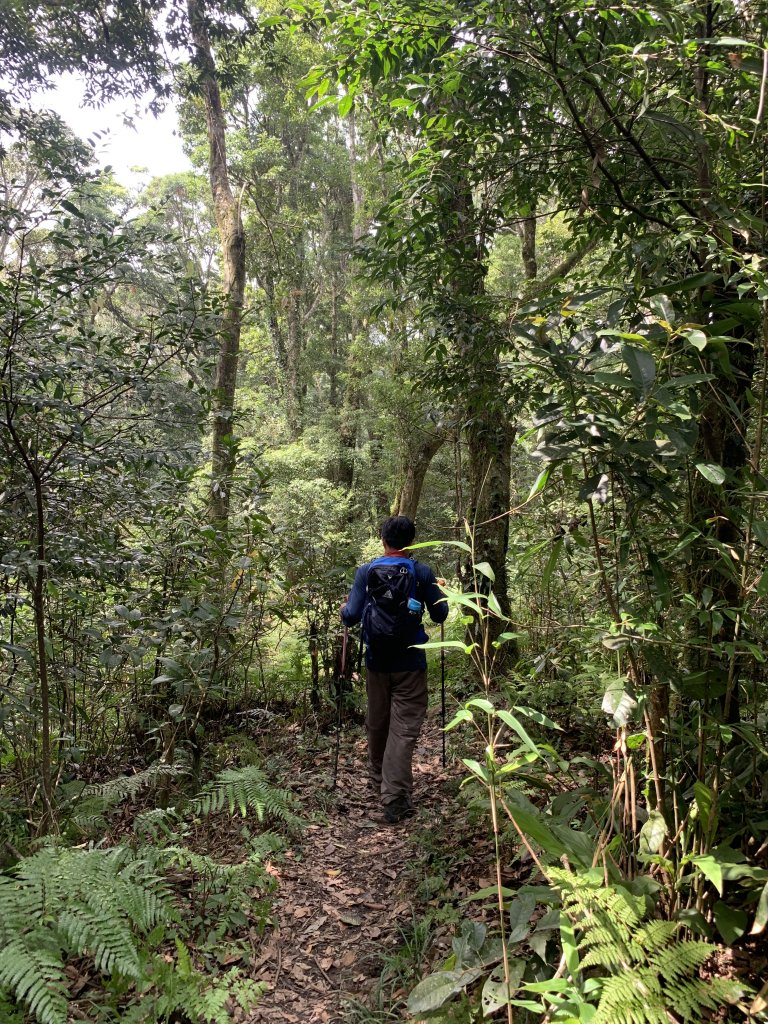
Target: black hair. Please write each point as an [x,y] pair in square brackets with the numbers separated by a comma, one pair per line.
[397,532]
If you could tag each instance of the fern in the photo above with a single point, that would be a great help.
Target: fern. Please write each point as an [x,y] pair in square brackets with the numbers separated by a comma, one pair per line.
[34,974]
[85,806]
[179,986]
[65,903]
[647,970]
[125,787]
[246,789]
[111,907]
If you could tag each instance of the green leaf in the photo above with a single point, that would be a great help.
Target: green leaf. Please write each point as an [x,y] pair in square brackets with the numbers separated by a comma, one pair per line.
[496,990]
[711,869]
[570,945]
[436,645]
[712,472]
[653,833]
[489,892]
[694,920]
[439,544]
[761,914]
[537,716]
[461,716]
[476,768]
[761,588]
[530,821]
[641,366]
[660,578]
[731,923]
[482,703]
[549,568]
[697,338]
[434,991]
[486,570]
[521,761]
[345,105]
[686,284]
[467,946]
[540,482]
[513,724]
[705,802]
[520,913]
[618,704]
[71,208]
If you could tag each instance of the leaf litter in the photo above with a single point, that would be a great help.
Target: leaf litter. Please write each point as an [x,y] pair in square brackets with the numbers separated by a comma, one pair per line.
[342,896]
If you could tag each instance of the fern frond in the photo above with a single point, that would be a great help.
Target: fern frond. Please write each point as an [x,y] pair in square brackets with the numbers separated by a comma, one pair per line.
[654,935]
[647,970]
[123,787]
[691,997]
[156,823]
[35,975]
[110,942]
[680,959]
[245,789]
[635,997]
[110,906]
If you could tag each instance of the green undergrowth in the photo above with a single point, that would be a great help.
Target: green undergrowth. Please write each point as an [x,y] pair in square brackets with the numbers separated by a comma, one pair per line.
[157,927]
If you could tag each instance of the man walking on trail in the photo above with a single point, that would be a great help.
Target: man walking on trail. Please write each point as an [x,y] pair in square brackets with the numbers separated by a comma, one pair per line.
[389,596]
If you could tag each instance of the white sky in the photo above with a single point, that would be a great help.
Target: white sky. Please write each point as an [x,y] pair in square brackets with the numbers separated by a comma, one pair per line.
[151,144]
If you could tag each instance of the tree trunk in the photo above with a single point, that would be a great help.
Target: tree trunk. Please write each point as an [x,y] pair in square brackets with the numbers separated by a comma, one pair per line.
[487,428]
[293,347]
[333,369]
[232,235]
[38,600]
[415,470]
[489,447]
[528,235]
[358,222]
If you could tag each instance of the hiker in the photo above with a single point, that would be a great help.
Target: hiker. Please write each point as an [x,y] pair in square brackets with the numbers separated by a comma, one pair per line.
[388,596]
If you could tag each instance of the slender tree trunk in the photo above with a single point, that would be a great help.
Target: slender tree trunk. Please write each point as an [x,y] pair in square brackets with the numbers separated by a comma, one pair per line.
[275,328]
[314,656]
[528,236]
[232,235]
[358,220]
[489,446]
[333,369]
[38,600]
[718,511]
[293,347]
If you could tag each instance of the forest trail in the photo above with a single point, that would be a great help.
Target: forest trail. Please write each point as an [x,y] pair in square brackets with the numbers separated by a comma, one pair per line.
[342,896]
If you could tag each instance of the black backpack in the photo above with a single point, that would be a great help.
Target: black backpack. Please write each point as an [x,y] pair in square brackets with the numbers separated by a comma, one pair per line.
[392,614]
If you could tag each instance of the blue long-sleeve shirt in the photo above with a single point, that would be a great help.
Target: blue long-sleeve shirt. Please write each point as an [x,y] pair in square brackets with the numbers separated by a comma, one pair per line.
[411,659]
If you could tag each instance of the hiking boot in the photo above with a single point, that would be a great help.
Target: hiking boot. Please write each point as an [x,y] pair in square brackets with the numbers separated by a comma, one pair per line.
[400,808]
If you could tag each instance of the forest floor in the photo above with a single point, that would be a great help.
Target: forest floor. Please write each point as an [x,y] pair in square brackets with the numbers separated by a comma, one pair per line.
[346,891]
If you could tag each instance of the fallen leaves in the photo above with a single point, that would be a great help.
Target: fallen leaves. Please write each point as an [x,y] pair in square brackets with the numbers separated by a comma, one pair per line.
[340,901]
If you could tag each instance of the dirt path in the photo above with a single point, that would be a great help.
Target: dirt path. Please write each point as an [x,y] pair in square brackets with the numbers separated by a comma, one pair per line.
[342,891]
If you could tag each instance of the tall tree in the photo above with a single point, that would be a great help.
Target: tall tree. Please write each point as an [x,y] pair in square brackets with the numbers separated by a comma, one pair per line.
[232,235]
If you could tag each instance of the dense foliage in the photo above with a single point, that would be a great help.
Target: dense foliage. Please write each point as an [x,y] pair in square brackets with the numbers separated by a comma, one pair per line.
[500,266]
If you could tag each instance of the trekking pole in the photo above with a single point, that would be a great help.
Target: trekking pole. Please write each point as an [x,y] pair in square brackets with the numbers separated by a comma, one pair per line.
[339,696]
[442,684]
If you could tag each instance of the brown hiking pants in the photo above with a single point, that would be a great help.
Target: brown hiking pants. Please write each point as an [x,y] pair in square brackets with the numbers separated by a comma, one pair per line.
[397,706]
